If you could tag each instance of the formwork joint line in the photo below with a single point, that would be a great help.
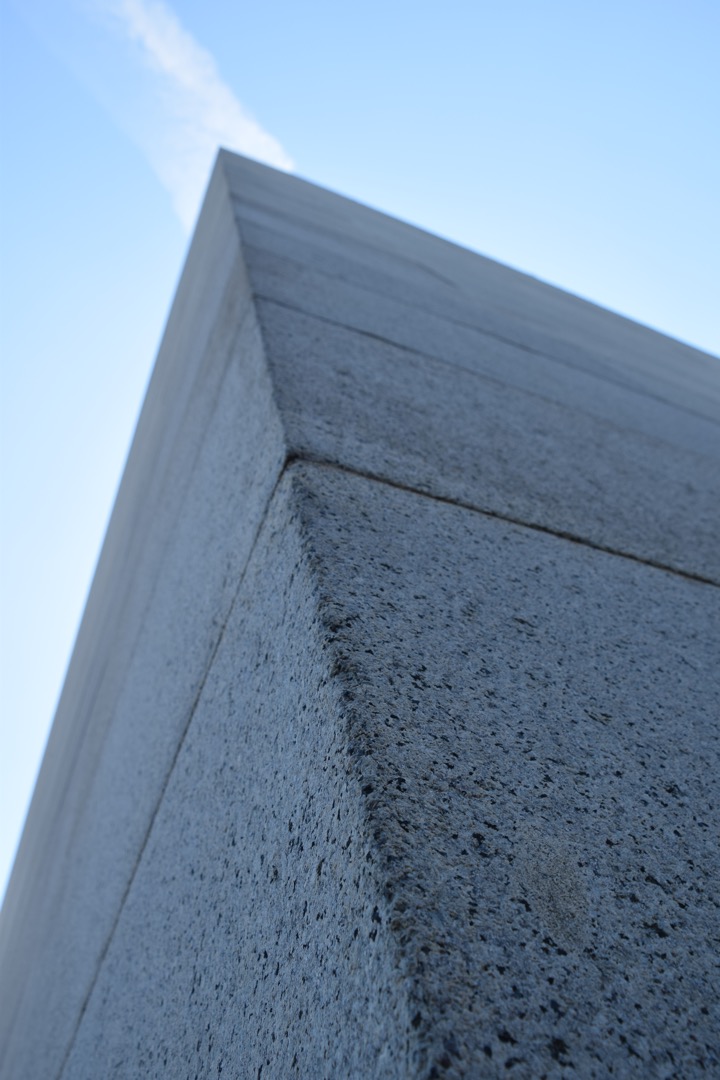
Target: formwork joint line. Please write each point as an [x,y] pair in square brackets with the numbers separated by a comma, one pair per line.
[561,534]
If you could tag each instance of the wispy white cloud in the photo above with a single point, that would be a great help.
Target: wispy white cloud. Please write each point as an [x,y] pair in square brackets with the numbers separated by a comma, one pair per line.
[194,110]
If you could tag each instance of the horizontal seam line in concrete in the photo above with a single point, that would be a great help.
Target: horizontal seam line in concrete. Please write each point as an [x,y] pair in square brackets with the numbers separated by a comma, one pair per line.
[241,199]
[561,534]
[180,744]
[604,377]
[499,382]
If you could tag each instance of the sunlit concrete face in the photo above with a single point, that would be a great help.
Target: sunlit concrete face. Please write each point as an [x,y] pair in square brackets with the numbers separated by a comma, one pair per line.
[389,746]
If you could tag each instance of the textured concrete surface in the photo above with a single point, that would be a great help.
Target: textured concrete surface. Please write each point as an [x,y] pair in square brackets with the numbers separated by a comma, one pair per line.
[377,409]
[446,802]
[390,742]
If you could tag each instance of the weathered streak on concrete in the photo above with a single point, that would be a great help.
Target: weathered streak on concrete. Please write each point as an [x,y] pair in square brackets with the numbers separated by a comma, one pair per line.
[341,752]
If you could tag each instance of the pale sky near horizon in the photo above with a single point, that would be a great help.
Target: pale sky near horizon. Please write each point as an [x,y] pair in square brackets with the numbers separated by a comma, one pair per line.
[577,142]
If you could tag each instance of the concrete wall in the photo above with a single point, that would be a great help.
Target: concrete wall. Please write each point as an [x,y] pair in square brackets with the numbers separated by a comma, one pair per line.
[389,747]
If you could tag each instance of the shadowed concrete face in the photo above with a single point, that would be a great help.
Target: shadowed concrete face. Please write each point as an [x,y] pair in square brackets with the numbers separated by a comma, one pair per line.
[399,760]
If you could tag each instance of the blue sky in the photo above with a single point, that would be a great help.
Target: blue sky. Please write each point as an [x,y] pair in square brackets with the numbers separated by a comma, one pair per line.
[578,142]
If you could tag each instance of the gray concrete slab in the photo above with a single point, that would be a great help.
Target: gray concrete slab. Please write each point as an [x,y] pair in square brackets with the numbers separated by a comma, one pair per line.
[411,313]
[406,417]
[282,271]
[446,807]
[538,725]
[354,244]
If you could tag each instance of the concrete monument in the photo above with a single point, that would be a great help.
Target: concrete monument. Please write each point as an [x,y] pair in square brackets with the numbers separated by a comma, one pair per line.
[389,746]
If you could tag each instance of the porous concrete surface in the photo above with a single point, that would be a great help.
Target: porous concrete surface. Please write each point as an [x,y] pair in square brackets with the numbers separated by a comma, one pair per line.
[399,354]
[442,399]
[191,501]
[447,807]
[378,409]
